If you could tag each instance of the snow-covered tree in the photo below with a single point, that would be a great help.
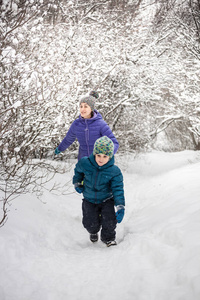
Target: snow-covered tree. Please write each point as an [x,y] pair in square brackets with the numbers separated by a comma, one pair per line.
[141,56]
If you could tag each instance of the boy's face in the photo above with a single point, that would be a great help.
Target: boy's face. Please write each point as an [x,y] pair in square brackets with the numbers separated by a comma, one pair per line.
[101,159]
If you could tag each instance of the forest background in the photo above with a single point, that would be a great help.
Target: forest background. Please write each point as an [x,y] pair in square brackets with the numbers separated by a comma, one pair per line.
[143,57]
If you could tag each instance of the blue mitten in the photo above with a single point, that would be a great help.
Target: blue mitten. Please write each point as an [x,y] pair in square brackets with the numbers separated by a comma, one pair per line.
[78,187]
[120,213]
[57,151]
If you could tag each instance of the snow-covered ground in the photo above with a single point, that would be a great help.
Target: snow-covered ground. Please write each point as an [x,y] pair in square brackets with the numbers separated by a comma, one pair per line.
[45,253]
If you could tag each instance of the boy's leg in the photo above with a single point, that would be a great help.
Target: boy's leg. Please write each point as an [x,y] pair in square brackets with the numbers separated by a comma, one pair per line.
[108,221]
[91,219]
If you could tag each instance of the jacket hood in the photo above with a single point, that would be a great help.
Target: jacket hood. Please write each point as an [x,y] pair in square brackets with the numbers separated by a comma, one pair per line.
[96,116]
[107,165]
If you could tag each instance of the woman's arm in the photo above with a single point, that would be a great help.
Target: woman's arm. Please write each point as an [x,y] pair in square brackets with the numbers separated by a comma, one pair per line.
[68,139]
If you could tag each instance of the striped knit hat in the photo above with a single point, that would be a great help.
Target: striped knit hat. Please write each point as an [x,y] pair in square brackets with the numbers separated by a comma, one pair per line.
[90,100]
[104,145]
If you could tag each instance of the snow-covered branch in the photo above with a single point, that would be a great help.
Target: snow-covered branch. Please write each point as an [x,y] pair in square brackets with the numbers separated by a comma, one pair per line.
[164,124]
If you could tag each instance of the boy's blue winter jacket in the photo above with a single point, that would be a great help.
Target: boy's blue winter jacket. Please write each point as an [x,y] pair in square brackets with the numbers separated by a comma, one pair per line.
[99,183]
[87,131]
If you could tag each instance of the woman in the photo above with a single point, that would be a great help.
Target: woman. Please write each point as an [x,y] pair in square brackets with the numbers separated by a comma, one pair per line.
[87,128]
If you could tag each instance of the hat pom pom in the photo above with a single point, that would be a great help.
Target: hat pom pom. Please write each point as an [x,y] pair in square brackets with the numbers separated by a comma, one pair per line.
[94,94]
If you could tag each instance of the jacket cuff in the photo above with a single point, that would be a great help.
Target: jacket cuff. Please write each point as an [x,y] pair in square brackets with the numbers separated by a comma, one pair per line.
[120,207]
[77,184]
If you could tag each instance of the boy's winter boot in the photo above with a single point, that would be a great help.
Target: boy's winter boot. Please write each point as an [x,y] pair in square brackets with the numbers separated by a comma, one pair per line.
[94,237]
[110,243]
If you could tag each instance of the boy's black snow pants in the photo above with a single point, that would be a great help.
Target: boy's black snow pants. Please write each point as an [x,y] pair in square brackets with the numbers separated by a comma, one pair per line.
[96,216]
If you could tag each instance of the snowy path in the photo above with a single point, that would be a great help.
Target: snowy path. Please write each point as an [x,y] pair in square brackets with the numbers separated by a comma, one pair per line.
[45,252]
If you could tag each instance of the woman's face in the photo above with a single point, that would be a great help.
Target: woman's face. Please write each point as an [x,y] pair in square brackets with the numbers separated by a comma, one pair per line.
[85,111]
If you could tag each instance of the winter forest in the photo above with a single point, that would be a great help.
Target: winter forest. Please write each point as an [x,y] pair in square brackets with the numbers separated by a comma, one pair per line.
[143,58]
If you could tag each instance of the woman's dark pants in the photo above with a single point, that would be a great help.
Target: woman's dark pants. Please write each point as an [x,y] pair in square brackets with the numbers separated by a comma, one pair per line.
[96,216]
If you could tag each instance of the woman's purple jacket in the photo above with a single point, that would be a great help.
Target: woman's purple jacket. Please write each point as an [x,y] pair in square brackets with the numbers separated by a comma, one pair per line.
[87,131]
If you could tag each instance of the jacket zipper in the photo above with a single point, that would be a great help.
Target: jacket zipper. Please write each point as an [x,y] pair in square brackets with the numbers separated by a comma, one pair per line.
[95,186]
[87,136]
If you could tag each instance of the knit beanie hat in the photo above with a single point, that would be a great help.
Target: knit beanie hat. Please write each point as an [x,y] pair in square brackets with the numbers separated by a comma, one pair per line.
[104,145]
[90,100]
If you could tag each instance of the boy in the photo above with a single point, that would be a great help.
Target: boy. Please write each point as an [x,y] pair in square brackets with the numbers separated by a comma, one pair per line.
[102,189]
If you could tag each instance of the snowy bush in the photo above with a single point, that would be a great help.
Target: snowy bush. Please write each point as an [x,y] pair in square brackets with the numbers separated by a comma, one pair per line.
[142,57]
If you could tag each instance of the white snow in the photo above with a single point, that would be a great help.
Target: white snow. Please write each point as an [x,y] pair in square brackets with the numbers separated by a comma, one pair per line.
[17,104]
[45,253]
